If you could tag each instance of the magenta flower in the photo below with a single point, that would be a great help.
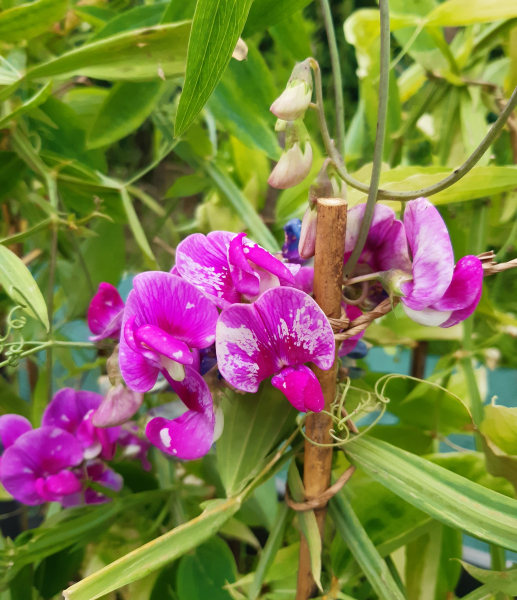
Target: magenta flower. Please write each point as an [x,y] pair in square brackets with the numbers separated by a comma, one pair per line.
[36,467]
[72,411]
[440,293]
[165,317]
[276,335]
[227,266]
[348,345]
[11,428]
[98,472]
[190,435]
[134,447]
[105,313]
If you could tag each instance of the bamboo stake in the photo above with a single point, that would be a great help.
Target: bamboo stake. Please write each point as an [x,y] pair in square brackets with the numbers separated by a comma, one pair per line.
[328,277]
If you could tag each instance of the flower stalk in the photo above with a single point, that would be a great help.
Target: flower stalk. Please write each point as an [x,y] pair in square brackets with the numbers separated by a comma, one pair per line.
[328,277]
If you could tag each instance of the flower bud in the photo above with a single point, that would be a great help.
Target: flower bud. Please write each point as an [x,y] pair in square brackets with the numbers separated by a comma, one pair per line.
[295,99]
[296,161]
[118,406]
[307,245]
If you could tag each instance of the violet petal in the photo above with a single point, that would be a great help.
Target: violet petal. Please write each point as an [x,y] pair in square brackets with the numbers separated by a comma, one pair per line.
[301,387]
[105,312]
[11,428]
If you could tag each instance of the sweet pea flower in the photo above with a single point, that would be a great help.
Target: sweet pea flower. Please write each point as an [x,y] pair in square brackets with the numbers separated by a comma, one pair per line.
[11,428]
[349,345]
[276,335]
[105,313]
[36,468]
[165,317]
[117,406]
[192,434]
[439,293]
[295,99]
[226,266]
[72,411]
[133,446]
[98,472]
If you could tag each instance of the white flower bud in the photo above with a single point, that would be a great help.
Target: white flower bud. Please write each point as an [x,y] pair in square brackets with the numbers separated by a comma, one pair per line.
[292,168]
[295,99]
[307,243]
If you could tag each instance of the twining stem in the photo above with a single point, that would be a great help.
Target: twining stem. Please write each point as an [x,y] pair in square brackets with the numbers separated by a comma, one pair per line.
[336,75]
[384,83]
[328,278]
[46,345]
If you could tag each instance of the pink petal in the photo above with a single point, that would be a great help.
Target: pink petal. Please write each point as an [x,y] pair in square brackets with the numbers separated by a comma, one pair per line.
[62,484]
[352,312]
[118,406]
[11,428]
[161,342]
[301,387]
[284,327]
[465,286]
[268,262]
[203,262]
[304,280]
[189,436]
[244,278]
[69,407]
[433,258]
[105,312]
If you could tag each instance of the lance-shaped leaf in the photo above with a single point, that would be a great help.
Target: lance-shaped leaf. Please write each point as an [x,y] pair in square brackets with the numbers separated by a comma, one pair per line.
[136,227]
[39,98]
[447,497]
[308,523]
[19,284]
[350,529]
[216,28]
[29,20]
[495,581]
[458,12]
[142,55]
[265,13]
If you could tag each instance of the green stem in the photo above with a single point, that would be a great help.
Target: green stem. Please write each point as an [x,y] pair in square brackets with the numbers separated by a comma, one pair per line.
[384,84]
[50,308]
[498,563]
[336,74]
[20,237]
[47,345]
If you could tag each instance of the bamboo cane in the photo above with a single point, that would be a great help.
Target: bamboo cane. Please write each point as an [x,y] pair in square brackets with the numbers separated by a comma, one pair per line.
[328,277]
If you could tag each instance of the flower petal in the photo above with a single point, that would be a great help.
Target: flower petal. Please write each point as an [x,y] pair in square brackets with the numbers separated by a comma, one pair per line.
[69,407]
[268,262]
[427,316]
[118,406]
[348,345]
[301,387]
[161,342]
[11,428]
[203,262]
[63,483]
[189,436]
[244,278]
[465,286]
[292,168]
[304,280]
[105,312]
[433,258]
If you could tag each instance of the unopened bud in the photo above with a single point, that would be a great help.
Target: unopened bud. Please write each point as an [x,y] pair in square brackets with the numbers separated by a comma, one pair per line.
[295,99]
[307,245]
[296,161]
[322,186]
[118,406]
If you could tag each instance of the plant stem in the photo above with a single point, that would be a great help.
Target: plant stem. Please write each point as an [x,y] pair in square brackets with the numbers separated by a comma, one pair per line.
[336,75]
[328,277]
[498,563]
[50,308]
[384,84]
[47,345]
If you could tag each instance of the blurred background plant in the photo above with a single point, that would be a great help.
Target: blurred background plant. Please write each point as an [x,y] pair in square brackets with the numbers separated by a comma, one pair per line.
[105,166]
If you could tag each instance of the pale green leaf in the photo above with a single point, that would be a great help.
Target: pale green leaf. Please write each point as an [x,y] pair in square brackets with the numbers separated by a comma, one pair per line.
[126,107]
[141,55]
[94,15]
[500,425]
[39,98]
[350,529]
[495,581]
[19,284]
[253,425]
[155,554]
[216,28]
[27,21]
[460,13]
[136,228]
[134,18]
[442,494]
[237,530]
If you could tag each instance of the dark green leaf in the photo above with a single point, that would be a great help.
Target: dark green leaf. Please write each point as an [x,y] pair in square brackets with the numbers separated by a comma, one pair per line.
[56,571]
[134,18]
[216,28]
[265,13]
[179,10]
[10,403]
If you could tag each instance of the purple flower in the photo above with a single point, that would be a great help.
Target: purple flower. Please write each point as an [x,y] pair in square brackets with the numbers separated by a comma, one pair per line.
[105,313]
[98,472]
[11,428]
[165,317]
[117,406]
[72,411]
[133,446]
[190,435]
[292,229]
[348,345]
[36,467]
[440,293]
[276,335]
[226,266]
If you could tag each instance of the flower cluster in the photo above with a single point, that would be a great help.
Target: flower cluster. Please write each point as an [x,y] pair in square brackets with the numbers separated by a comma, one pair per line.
[58,461]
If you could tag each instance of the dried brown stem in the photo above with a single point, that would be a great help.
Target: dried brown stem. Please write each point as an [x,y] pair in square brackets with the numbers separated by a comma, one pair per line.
[328,277]
[322,500]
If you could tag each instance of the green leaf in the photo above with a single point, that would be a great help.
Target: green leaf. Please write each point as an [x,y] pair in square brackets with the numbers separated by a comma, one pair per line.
[500,425]
[11,171]
[495,581]
[141,55]
[179,10]
[423,563]
[134,18]
[350,529]
[253,425]
[19,284]
[236,530]
[459,13]
[308,523]
[97,17]
[156,553]
[265,13]
[27,21]
[10,403]
[270,552]
[126,107]
[56,571]
[136,228]
[216,28]
[203,573]
[188,185]
[39,399]
[445,496]
[39,98]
